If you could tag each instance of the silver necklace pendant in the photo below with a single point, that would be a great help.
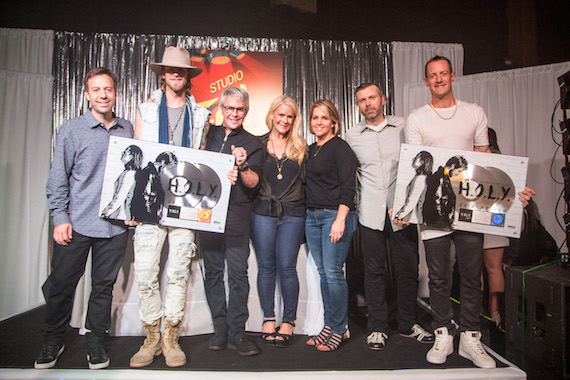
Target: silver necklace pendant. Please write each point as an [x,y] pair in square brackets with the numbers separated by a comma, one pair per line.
[317,150]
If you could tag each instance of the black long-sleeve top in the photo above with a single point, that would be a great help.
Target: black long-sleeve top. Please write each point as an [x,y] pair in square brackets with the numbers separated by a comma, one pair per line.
[241,196]
[331,175]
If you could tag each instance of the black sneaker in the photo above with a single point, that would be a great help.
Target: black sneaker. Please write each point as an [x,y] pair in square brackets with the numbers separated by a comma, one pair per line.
[48,355]
[218,342]
[244,347]
[97,358]
[418,333]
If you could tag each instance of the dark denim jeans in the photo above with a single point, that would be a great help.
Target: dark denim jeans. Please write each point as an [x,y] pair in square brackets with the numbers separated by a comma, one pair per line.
[217,250]
[277,244]
[404,248]
[469,254]
[329,258]
[68,265]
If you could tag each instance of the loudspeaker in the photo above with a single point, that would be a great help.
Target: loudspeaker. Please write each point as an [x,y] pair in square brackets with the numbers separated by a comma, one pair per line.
[547,329]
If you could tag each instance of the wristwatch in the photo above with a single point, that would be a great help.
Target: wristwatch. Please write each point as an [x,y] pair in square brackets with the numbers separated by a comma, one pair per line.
[245,167]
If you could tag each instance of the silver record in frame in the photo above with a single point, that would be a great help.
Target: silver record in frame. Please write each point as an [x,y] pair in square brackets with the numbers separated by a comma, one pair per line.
[212,185]
[164,184]
[451,189]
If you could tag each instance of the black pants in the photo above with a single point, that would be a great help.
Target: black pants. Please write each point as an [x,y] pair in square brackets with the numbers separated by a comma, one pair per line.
[469,254]
[68,265]
[216,250]
[404,248]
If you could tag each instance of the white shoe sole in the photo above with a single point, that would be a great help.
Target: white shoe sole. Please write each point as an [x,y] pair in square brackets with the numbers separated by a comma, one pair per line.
[50,364]
[98,365]
[468,357]
[439,361]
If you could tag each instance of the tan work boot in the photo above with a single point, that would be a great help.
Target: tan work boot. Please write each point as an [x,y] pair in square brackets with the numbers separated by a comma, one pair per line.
[151,347]
[174,356]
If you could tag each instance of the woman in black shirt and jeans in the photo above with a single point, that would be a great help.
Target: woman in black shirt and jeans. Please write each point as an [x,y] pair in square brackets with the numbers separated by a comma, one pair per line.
[278,219]
[331,221]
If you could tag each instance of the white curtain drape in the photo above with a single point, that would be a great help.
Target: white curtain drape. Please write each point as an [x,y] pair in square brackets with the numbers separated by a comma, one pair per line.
[409,59]
[519,104]
[25,139]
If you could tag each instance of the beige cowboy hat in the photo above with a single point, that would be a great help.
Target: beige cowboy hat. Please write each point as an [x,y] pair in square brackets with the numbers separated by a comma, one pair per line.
[175,57]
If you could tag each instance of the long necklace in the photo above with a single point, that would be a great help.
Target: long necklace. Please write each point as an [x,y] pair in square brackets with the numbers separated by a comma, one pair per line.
[445,118]
[172,130]
[319,147]
[317,150]
[279,166]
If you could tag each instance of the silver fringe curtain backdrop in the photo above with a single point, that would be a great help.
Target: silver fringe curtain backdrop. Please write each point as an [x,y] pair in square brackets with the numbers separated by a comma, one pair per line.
[312,69]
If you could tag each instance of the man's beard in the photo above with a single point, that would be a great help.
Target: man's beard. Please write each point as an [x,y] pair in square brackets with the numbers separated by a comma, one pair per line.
[177,86]
[372,116]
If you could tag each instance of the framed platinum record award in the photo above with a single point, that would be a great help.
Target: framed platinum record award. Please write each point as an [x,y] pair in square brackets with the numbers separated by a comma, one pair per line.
[463,190]
[165,184]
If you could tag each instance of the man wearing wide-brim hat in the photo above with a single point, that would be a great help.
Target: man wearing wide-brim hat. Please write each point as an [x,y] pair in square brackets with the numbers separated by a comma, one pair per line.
[173,118]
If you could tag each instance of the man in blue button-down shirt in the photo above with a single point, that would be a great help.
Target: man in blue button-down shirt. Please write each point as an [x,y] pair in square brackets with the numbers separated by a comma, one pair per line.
[74,193]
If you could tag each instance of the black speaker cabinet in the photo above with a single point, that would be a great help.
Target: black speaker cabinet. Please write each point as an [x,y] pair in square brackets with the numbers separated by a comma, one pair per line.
[547,328]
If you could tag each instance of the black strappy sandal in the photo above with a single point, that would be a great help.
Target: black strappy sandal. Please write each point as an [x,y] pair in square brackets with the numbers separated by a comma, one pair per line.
[284,340]
[268,338]
[321,338]
[334,342]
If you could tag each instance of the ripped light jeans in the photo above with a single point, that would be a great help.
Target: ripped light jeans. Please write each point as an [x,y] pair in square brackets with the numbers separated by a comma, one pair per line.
[148,242]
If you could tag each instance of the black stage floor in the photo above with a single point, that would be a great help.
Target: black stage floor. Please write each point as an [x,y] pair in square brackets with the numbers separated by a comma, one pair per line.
[21,342]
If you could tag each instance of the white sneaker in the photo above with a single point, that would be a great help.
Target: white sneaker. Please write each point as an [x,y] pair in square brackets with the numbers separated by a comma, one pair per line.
[470,348]
[442,348]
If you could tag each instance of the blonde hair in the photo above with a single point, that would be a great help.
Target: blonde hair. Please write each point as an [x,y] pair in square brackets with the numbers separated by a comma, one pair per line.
[296,144]
[331,111]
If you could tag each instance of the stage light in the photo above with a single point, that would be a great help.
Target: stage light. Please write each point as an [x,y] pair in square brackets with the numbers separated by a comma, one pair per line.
[196,55]
[218,57]
[237,54]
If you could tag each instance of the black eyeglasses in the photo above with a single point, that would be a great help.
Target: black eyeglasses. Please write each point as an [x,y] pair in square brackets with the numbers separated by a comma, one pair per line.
[231,110]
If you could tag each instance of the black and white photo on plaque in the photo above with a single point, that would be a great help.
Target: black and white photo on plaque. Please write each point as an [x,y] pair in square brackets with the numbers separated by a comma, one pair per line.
[164,184]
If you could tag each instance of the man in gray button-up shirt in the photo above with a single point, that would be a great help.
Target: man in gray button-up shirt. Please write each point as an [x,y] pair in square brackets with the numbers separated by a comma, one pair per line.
[74,193]
[376,142]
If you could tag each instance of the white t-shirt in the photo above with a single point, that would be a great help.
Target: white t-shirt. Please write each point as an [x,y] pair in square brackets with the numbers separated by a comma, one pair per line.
[465,130]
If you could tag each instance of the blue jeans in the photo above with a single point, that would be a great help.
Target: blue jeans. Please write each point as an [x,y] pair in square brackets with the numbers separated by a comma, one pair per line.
[329,258]
[277,244]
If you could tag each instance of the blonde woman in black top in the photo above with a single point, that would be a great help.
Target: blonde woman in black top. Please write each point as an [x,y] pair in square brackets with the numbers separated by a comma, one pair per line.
[278,221]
